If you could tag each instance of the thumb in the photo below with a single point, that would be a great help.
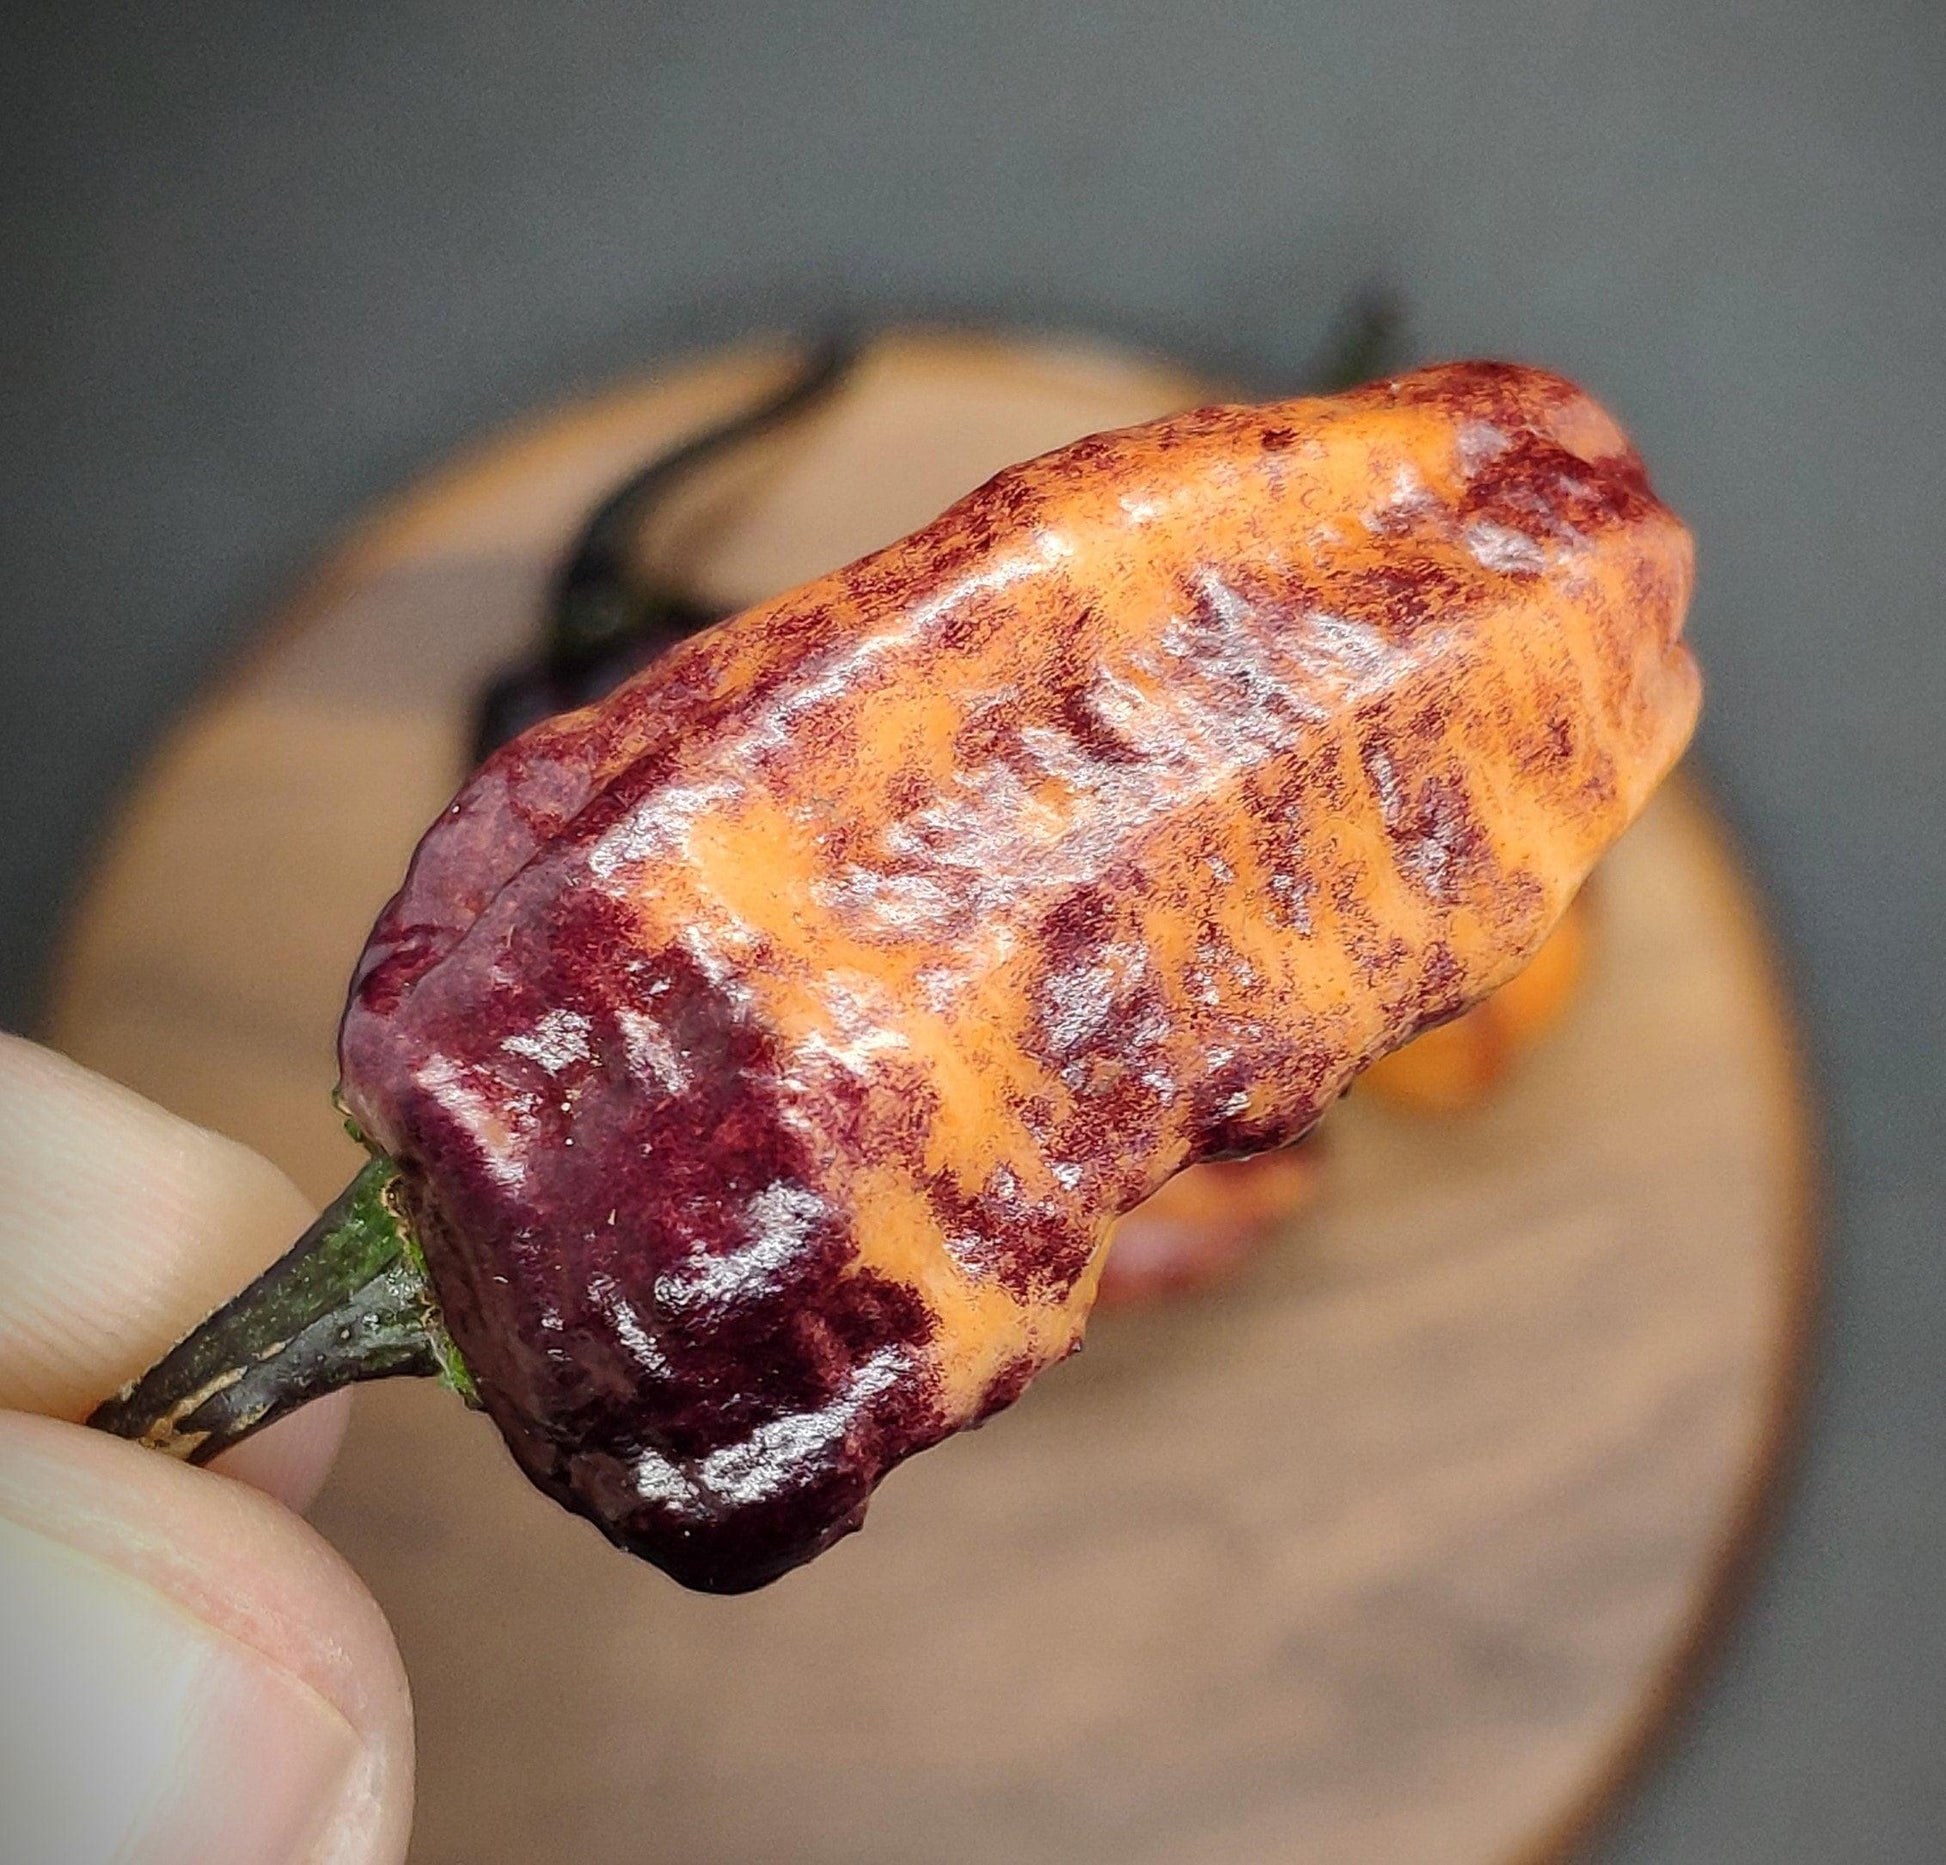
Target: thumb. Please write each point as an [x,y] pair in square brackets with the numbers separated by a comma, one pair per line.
[188,1674]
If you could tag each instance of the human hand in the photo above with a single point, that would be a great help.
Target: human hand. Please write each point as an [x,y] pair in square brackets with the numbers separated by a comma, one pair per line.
[187,1672]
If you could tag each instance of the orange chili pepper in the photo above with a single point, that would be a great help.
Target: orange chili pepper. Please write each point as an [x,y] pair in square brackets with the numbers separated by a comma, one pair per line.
[763,1054]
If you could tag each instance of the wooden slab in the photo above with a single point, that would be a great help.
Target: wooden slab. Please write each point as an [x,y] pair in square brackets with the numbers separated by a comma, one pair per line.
[1394,1550]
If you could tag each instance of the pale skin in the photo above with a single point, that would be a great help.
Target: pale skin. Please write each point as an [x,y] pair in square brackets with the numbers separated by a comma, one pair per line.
[187,1671]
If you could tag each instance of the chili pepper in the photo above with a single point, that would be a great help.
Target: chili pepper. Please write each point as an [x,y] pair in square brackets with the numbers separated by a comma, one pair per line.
[760,1056]
[1205,1224]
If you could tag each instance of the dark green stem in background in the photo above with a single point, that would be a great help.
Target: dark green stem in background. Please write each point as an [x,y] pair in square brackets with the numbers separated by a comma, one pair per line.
[600,597]
[348,1301]
[1363,342]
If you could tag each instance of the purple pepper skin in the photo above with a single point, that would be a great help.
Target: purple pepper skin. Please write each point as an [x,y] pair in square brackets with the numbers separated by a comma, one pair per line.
[768,1049]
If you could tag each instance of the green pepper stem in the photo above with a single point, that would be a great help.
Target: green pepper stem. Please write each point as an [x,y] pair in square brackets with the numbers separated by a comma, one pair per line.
[348,1301]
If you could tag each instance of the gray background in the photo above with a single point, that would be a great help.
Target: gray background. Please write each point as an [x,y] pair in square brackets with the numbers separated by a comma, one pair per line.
[263,262]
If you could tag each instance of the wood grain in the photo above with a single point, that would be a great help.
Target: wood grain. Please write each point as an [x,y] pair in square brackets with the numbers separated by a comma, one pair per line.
[1394,1549]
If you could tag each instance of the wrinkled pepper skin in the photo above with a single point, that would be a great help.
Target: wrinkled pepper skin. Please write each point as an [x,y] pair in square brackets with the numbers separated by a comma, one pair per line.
[769,1047]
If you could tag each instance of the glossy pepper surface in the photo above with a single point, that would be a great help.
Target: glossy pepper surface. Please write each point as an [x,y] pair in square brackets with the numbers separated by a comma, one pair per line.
[768,1048]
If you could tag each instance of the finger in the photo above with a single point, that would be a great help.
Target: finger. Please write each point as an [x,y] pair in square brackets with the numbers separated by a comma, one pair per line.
[121,1227]
[187,1672]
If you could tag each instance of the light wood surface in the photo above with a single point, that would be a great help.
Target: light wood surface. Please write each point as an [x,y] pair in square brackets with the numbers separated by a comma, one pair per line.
[1395,1549]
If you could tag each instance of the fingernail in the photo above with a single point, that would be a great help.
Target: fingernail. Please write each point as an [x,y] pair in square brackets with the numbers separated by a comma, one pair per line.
[137,1731]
